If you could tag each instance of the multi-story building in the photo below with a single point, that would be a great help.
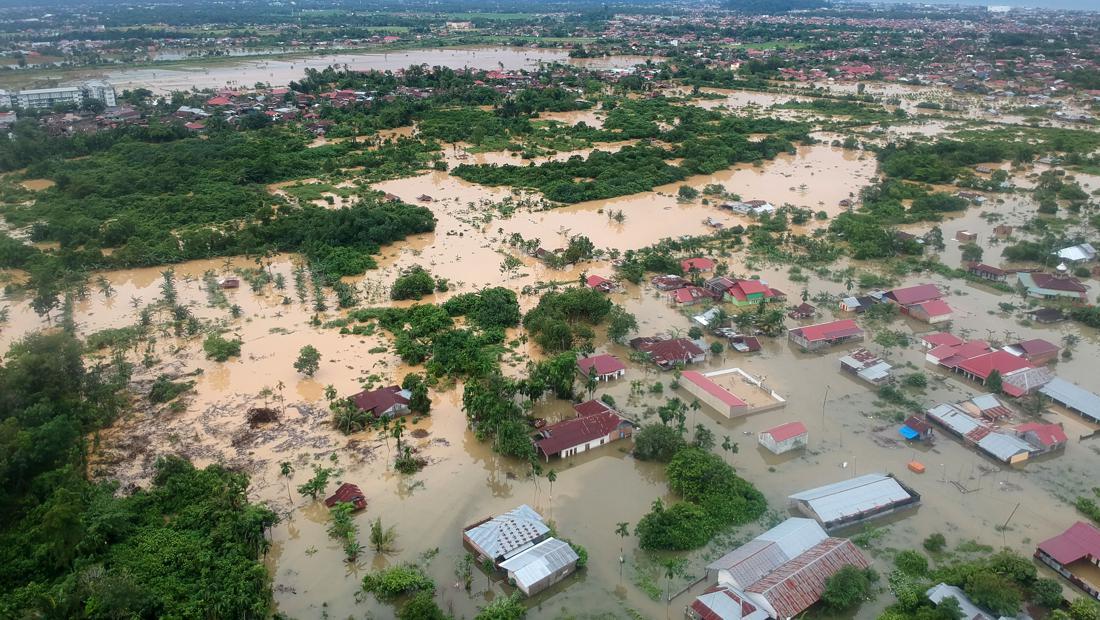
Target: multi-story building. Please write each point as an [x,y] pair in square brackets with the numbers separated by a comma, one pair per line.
[49,97]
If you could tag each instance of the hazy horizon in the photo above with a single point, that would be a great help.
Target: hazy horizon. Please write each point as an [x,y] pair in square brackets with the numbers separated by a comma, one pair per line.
[1077,5]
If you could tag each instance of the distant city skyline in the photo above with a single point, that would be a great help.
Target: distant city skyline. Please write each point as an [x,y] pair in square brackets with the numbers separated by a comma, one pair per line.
[1078,5]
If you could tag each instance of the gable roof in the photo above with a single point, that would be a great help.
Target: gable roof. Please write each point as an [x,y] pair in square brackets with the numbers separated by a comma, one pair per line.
[915,294]
[829,331]
[663,351]
[786,431]
[750,562]
[603,364]
[698,263]
[935,307]
[850,497]
[1081,540]
[346,493]
[939,339]
[594,281]
[381,400]
[569,433]
[798,584]
[1051,282]
[720,602]
[1035,346]
[540,561]
[508,533]
[1002,361]
[1047,434]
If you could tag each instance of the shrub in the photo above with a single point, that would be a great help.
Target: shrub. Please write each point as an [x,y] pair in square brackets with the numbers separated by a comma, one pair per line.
[164,389]
[414,283]
[935,543]
[309,360]
[390,583]
[678,527]
[421,607]
[657,442]
[911,563]
[220,349]
[849,587]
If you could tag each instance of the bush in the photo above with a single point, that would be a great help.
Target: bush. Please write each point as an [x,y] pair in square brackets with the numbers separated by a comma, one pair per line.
[421,607]
[911,563]
[657,442]
[676,528]
[993,592]
[935,543]
[707,480]
[1048,593]
[220,349]
[849,587]
[164,389]
[390,583]
[414,283]
[503,608]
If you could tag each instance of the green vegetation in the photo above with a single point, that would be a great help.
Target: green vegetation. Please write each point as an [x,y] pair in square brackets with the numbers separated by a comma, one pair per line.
[390,583]
[562,319]
[309,360]
[164,389]
[221,349]
[848,587]
[657,442]
[413,283]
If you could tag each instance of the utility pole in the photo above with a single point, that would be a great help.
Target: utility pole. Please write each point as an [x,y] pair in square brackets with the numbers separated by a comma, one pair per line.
[1004,528]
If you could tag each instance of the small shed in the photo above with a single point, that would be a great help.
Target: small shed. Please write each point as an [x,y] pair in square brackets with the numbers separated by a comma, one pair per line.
[916,429]
[347,493]
[541,566]
[229,282]
[803,311]
[965,236]
[785,437]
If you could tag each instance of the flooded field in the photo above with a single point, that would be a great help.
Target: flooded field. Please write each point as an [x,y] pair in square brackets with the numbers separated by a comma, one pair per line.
[966,496]
[244,72]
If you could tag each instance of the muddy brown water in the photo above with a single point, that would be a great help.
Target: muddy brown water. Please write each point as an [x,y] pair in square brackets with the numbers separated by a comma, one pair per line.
[850,433]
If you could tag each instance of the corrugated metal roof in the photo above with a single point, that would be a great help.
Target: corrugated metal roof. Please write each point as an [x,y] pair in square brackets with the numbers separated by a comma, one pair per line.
[1074,397]
[1003,446]
[798,584]
[954,418]
[540,561]
[1079,541]
[755,559]
[505,534]
[875,373]
[851,497]
[795,535]
[723,603]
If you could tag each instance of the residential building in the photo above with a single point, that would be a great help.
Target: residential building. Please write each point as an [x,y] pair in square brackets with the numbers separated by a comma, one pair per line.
[951,355]
[697,265]
[932,312]
[689,296]
[923,302]
[385,402]
[980,367]
[1043,437]
[987,272]
[1073,397]
[42,98]
[602,367]
[541,566]
[1036,350]
[347,493]
[1059,285]
[668,282]
[785,437]
[867,366]
[802,311]
[778,574]
[916,429]
[856,500]
[858,305]
[1075,555]
[824,335]
[710,393]
[939,339]
[600,284]
[667,353]
[1002,446]
[743,292]
[506,536]
[596,424]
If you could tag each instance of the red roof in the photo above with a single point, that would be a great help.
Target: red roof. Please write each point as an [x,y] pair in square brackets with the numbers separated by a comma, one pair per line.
[783,432]
[1058,283]
[1004,362]
[347,493]
[952,356]
[689,294]
[669,351]
[218,101]
[591,407]
[1037,346]
[713,389]
[1081,540]
[603,364]
[751,287]
[915,294]
[991,270]
[829,331]
[577,431]
[1047,434]
[699,264]
[594,281]
[935,307]
[940,339]
[381,400]
[798,584]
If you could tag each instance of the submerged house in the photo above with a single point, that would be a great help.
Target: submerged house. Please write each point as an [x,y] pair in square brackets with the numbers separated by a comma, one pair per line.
[602,367]
[347,493]
[1036,350]
[667,353]
[785,437]
[1073,397]
[778,574]
[541,566]
[744,292]
[385,402]
[824,335]
[853,501]
[1058,285]
[596,424]
[867,366]
[923,302]
[1075,554]
[1043,437]
[520,543]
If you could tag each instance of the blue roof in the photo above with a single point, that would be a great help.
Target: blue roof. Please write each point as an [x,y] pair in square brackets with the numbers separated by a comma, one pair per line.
[908,433]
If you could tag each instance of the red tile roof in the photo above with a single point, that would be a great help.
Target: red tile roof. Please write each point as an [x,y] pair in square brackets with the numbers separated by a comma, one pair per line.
[1047,434]
[935,307]
[669,351]
[915,294]
[689,294]
[951,356]
[603,365]
[347,493]
[751,287]
[829,331]
[1002,361]
[593,281]
[699,264]
[1081,540]
[713,389]
[940,339]
[577,431]
[783,432]
[218,101]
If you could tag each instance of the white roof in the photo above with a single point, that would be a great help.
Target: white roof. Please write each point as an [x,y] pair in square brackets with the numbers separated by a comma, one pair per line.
[986,401]
[954,418]
[540,561]
[705,318]
[1080,252]
[727,603]
[509,533]
[970,611]
[850,497]
[1003,446]
[1073,396]
[874,373]
[795,535]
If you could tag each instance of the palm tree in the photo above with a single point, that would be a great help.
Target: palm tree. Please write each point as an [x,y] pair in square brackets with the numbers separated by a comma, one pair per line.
[551,476]
[623,530]
[286,470]
[282,401]
[674,567]
[381,538]
[398,429]
[695,406]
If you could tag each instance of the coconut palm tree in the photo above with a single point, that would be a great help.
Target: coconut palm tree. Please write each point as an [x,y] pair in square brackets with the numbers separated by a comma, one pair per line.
[286,470]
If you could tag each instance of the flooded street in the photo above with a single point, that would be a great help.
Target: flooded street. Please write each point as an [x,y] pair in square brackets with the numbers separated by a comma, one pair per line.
[966,496]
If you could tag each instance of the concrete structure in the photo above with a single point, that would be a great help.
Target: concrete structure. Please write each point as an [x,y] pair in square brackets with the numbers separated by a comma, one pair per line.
[856,500]
[710,393]
[44,98]
[1081,253]
[1075,555]
[781,573]
[596,424]
[824,335]
[541,566]
[785,437]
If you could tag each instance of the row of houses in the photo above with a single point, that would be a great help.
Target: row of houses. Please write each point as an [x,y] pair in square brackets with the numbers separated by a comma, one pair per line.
[1008,445]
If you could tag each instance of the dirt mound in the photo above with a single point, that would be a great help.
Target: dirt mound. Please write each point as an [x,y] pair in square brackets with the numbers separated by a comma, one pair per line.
[262,415]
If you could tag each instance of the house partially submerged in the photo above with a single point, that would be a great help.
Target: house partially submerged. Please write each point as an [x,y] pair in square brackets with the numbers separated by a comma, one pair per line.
[824,335]
[781,573]
[1002,446]
[923,302]
[667,353]
[743,292]
[1081,253]
[1075,554]
[710,393]
[1036,350]
[601,367]
[601,284]
[697,265]
[867,366]
[519,542]
[1058,285]
[1043,437]
[668,282]
[785,437]
[802,311]
[347,493]
[854,501]
[987,272]
[689,296]
[596,424]
[1073,397]
[384,402]
[916,429]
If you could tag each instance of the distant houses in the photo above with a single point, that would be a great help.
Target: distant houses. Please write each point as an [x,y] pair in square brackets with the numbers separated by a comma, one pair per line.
[743,292]
[520,543]
[922,302]
[824,335]
[1074,554]
[778,574]
[987,272]
[596,424]
[855,500]
[784,438]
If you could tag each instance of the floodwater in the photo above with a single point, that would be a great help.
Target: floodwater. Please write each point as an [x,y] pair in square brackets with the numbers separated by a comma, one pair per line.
[37,184]
[244,72]
[965,495]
